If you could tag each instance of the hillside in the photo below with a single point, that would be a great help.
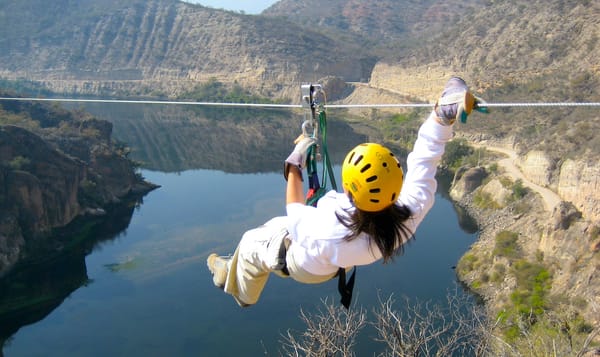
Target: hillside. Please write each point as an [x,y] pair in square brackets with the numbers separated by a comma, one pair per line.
[162,47]
[381,26]
[529,42]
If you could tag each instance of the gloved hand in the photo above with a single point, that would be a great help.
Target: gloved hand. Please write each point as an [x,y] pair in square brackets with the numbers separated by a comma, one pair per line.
[298,156]
[457,102]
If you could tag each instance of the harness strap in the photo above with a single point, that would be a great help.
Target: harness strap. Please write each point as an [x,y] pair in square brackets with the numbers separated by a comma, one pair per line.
[345,287]
[282,255]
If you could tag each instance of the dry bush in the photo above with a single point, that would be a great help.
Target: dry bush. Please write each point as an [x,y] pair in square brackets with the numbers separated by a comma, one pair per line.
[457,328]
[329,332]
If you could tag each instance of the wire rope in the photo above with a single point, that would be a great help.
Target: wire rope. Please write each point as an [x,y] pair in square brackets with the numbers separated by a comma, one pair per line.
[295,106]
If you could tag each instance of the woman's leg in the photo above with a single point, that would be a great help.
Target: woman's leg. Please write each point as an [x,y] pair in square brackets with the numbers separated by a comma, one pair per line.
[251,263]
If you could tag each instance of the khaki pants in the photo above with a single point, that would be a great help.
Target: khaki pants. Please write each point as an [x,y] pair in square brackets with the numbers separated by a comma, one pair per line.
[253,259]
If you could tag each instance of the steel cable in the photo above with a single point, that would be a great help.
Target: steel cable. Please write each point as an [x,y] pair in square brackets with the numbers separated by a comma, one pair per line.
[295,106]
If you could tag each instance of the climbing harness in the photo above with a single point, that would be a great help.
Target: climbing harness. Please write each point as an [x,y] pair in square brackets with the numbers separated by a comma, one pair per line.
[315,126]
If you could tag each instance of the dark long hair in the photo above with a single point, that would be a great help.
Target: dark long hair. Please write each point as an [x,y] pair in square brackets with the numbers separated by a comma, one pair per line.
[385,228]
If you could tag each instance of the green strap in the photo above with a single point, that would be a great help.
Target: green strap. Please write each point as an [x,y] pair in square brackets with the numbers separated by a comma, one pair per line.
[327,169]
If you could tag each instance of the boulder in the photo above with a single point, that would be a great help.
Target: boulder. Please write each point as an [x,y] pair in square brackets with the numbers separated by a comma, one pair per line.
[466,181]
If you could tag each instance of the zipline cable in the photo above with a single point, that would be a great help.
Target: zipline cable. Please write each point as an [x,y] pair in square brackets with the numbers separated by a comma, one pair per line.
[295,106]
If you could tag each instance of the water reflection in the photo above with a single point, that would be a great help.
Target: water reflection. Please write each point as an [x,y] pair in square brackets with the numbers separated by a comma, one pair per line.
[40,283]
[175,138]
[465,221]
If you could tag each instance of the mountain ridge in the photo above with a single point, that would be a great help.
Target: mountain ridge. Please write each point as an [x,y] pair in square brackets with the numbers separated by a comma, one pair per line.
[171,46]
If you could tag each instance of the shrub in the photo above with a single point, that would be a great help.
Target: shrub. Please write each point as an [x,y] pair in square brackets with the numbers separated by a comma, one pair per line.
[521,207]
[484,200]
[518,190]
[507,245]
[19,163]
[456,151]
[533,283]
[467,263]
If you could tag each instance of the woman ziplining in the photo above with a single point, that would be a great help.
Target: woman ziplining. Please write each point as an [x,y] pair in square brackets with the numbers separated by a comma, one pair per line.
[378,212]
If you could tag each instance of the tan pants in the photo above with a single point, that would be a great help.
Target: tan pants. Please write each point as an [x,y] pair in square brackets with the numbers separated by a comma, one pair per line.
[251,264]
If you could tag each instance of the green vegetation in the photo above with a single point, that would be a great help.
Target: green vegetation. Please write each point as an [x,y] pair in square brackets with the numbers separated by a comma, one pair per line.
[484,200]
[456,153]
[594,232]
[530,316]
[467,263]
[218,92]
[215,91]
[498,273]
[529,301]
[400,128]
[507,245]
[533,284]
[20,119]
[518,190]
[19,163]
[25,87]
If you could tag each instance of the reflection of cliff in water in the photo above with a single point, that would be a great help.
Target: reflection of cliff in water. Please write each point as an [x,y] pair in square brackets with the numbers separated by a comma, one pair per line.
[177,138]
[465,221]
[39,284]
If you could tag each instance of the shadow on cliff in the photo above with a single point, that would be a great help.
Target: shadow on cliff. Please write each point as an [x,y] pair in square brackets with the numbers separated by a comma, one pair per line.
[40,283]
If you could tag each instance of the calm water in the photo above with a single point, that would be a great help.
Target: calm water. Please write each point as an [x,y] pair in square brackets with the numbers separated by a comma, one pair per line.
[143,289]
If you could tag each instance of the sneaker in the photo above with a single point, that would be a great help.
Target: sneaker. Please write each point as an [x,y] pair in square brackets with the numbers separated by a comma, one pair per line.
[218,267]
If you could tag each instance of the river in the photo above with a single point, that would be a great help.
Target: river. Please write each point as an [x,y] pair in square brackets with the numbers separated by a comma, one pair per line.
[140,286]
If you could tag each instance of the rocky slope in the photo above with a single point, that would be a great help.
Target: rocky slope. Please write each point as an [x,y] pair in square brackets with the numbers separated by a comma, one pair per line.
[163,47]
[381,26]
[62,167]
[558,238]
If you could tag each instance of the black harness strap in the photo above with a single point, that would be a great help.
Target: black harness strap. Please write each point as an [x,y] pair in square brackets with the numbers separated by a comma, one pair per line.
[345,287]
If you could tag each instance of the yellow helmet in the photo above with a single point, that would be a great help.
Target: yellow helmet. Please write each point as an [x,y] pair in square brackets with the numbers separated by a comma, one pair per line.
[373,176]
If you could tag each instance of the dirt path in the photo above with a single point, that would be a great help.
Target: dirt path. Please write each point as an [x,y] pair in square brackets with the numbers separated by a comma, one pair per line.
[550,198]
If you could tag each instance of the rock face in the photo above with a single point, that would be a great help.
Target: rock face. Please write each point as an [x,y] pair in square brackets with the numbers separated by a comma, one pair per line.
[538,168]
[466,181]
[579,183]
[43,190]
[575,181]
[496,191]
[46,182]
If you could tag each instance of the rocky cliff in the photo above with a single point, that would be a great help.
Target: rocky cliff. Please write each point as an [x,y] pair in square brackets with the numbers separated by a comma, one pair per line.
[49,175]
[574,180]
[163,47]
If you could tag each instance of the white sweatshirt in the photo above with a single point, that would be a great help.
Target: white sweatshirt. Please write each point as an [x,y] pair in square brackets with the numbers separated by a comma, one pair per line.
[317,236]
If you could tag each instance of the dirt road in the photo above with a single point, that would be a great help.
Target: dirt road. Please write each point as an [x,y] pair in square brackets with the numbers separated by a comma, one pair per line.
[550,198]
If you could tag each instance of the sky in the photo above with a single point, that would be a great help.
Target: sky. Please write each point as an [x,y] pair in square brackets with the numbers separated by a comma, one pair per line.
[247,6]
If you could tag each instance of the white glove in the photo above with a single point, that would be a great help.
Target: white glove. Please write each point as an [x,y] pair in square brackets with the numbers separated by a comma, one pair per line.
[457,102]
[298,156]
